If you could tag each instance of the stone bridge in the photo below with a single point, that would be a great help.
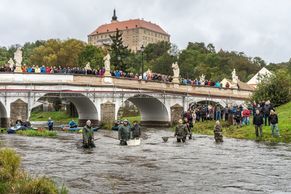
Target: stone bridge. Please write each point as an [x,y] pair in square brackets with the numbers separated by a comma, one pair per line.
[99,99]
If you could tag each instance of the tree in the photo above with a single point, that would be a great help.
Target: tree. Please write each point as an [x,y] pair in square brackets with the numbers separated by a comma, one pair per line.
[91,54]
[259,62]
[160,56]
[276,88]
[118,51]
[55,52]
[4,55]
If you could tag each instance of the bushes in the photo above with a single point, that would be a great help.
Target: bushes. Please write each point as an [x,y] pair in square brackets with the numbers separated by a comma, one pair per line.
[276,88]
[15,180]
[9,164]
[37,133]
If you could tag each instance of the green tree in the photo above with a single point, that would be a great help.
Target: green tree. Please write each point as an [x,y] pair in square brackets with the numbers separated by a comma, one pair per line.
[93,55]
[276,88]
[4,56]
[118,51]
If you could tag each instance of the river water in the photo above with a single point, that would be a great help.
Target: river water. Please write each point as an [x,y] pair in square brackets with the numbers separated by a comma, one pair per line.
[199,166]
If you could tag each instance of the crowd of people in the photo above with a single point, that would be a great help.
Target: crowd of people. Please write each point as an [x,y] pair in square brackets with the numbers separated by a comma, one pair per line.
[263,114]
[148,75]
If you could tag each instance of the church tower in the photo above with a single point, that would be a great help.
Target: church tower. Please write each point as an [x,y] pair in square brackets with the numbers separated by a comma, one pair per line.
[114,17]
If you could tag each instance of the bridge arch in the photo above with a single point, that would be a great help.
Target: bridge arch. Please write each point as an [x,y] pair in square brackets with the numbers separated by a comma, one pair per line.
[207,102]
[153,111]
[3,116]
[85,107]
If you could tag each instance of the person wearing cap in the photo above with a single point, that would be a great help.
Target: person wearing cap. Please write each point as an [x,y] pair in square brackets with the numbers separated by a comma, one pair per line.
[218,132]
[88,135]
[50,124]
[124,132]
[181,131]
[136,130]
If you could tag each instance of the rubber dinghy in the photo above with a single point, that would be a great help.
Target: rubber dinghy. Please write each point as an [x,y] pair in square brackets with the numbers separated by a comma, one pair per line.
[133,142]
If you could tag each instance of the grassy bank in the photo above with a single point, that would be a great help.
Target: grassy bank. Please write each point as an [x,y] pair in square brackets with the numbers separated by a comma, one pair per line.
[132,119]
[13,179]
[248,132]
[57,116]
[37,133]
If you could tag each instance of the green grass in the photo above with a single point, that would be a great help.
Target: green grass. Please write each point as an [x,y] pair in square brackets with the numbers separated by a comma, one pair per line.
[37,133]
[57,116]
[13,179]
[248,132]
[131,119]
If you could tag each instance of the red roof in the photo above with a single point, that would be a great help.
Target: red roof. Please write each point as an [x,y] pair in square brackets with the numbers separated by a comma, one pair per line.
[128,24]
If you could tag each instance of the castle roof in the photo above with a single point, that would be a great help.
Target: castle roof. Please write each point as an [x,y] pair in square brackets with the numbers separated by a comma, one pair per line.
[128,24]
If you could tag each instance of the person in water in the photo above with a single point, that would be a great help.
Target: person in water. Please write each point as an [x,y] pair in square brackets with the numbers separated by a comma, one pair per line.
[181,131]
[88,135]
[73,124]
[124,132]
[218,132]
[135,130]
[189,127]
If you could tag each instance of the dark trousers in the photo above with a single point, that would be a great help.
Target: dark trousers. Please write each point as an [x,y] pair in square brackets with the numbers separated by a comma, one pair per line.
[259,130]
[50,128]
[226,117]
[183,139]
[266,117]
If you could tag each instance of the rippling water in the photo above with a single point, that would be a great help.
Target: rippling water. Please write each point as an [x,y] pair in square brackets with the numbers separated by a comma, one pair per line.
[199,166]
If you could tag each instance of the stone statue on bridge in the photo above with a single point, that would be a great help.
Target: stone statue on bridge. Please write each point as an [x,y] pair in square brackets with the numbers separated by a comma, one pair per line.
[88,67]
[11,63]
[202,79]
[234,79]
[18,60]
[176,72]
[106,60]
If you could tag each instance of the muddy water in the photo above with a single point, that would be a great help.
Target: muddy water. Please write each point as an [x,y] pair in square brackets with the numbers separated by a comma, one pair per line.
[199,166]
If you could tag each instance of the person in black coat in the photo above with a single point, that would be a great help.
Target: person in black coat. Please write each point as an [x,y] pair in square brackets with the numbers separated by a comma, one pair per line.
[258,122]
[274,124]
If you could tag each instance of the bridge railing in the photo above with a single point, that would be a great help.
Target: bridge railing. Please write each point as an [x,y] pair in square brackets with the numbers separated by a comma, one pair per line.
[91,80]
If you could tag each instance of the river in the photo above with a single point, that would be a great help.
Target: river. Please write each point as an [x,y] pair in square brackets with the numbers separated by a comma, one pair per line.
[199,166]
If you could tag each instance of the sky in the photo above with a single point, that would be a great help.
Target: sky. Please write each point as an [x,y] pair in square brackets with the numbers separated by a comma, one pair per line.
[256,27]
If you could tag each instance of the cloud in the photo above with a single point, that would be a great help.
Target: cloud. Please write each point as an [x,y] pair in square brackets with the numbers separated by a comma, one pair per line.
[256,27]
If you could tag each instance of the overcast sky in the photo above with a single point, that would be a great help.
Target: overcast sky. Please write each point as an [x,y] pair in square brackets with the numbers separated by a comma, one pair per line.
[256,27]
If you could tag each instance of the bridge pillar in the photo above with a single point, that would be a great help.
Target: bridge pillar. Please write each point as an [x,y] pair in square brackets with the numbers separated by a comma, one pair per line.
[176,113]
[107,112]
[4,122]
[18,110]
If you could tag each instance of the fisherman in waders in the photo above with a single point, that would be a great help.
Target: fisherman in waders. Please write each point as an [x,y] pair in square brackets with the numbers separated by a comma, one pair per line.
[218,132]
[181,131]
[124,132]
[135,130]
[88,135]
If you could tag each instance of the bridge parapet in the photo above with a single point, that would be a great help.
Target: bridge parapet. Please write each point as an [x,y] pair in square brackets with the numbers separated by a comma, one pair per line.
[133,84]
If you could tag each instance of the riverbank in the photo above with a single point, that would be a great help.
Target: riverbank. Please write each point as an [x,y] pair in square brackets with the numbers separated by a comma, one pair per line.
[56,116]
[37,133]
[248,132]
[13,179]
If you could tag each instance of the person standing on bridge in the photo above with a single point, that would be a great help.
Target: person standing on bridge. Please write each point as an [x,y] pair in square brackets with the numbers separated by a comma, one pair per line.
[88,136]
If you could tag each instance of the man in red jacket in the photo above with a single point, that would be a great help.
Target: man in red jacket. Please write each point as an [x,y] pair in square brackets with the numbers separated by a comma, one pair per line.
[246,116]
